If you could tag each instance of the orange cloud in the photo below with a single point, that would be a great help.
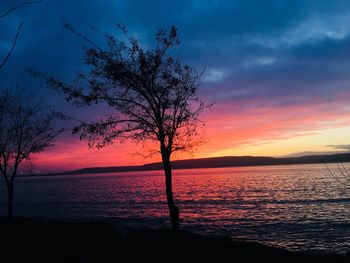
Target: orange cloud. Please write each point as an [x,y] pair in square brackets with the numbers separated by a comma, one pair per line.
[228,126]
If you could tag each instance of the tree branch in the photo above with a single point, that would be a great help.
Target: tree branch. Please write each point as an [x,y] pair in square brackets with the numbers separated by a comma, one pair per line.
[18,6]
[13,46]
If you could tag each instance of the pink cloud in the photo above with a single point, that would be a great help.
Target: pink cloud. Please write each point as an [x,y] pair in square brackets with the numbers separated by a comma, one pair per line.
[228,125]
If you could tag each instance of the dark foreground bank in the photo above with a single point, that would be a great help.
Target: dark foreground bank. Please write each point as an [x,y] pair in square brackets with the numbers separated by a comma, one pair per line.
[24,240]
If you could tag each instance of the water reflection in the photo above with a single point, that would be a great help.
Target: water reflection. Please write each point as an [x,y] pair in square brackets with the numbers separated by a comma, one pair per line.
[298,207]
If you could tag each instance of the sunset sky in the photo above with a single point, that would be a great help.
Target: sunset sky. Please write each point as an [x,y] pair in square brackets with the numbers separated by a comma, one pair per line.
[277,71]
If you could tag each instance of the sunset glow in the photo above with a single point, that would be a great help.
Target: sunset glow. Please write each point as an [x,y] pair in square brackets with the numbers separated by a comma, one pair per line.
[278,88]
[173,131]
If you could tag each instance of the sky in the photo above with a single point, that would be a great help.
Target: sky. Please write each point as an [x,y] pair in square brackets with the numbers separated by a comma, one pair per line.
[278,72]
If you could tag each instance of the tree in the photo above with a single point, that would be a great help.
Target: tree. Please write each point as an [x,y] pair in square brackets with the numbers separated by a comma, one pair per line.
[152,94]
[25,128]
[14,42]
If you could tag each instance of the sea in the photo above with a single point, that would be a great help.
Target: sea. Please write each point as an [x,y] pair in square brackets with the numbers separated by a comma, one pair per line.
[298,207]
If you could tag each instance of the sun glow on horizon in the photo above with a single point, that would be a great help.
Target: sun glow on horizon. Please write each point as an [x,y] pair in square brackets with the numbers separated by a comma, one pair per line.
[75,154]
[277,130]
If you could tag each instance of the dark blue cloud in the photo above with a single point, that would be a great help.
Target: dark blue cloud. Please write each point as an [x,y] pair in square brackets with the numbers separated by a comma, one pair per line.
[252,49]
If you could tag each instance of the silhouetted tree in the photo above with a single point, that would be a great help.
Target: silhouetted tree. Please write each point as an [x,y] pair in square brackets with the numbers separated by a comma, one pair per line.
[14,42]
[152,93]
[25,128]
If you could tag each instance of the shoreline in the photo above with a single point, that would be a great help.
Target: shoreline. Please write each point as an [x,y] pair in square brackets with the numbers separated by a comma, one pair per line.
[211,162]
[100,241]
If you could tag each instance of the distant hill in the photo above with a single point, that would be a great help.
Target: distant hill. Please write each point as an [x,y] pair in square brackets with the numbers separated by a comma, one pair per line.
[216,162]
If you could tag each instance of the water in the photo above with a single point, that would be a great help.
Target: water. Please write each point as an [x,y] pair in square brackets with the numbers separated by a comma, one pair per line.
[299,207]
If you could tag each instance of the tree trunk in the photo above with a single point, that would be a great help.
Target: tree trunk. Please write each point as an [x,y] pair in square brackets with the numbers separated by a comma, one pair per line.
[10,200]
[173,209]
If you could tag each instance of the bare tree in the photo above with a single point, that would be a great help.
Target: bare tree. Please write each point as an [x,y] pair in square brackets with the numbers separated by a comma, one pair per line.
[25,128]
[152,95]
[14,42]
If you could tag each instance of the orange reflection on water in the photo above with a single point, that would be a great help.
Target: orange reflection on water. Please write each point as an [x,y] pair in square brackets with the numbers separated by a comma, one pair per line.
[296,206]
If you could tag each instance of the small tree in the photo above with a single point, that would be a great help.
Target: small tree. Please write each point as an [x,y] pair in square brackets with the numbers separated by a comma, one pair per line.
[25,128]
[152,94]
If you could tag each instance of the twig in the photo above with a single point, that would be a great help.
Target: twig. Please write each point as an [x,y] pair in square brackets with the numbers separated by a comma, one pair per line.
[13,46]
[336,177]
[18,6]
[346,175]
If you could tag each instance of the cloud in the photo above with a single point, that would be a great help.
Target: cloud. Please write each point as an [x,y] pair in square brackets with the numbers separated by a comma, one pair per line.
[340,147]
[260,61]
[214,75]
[312,29]
[309,153]
[274,68]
